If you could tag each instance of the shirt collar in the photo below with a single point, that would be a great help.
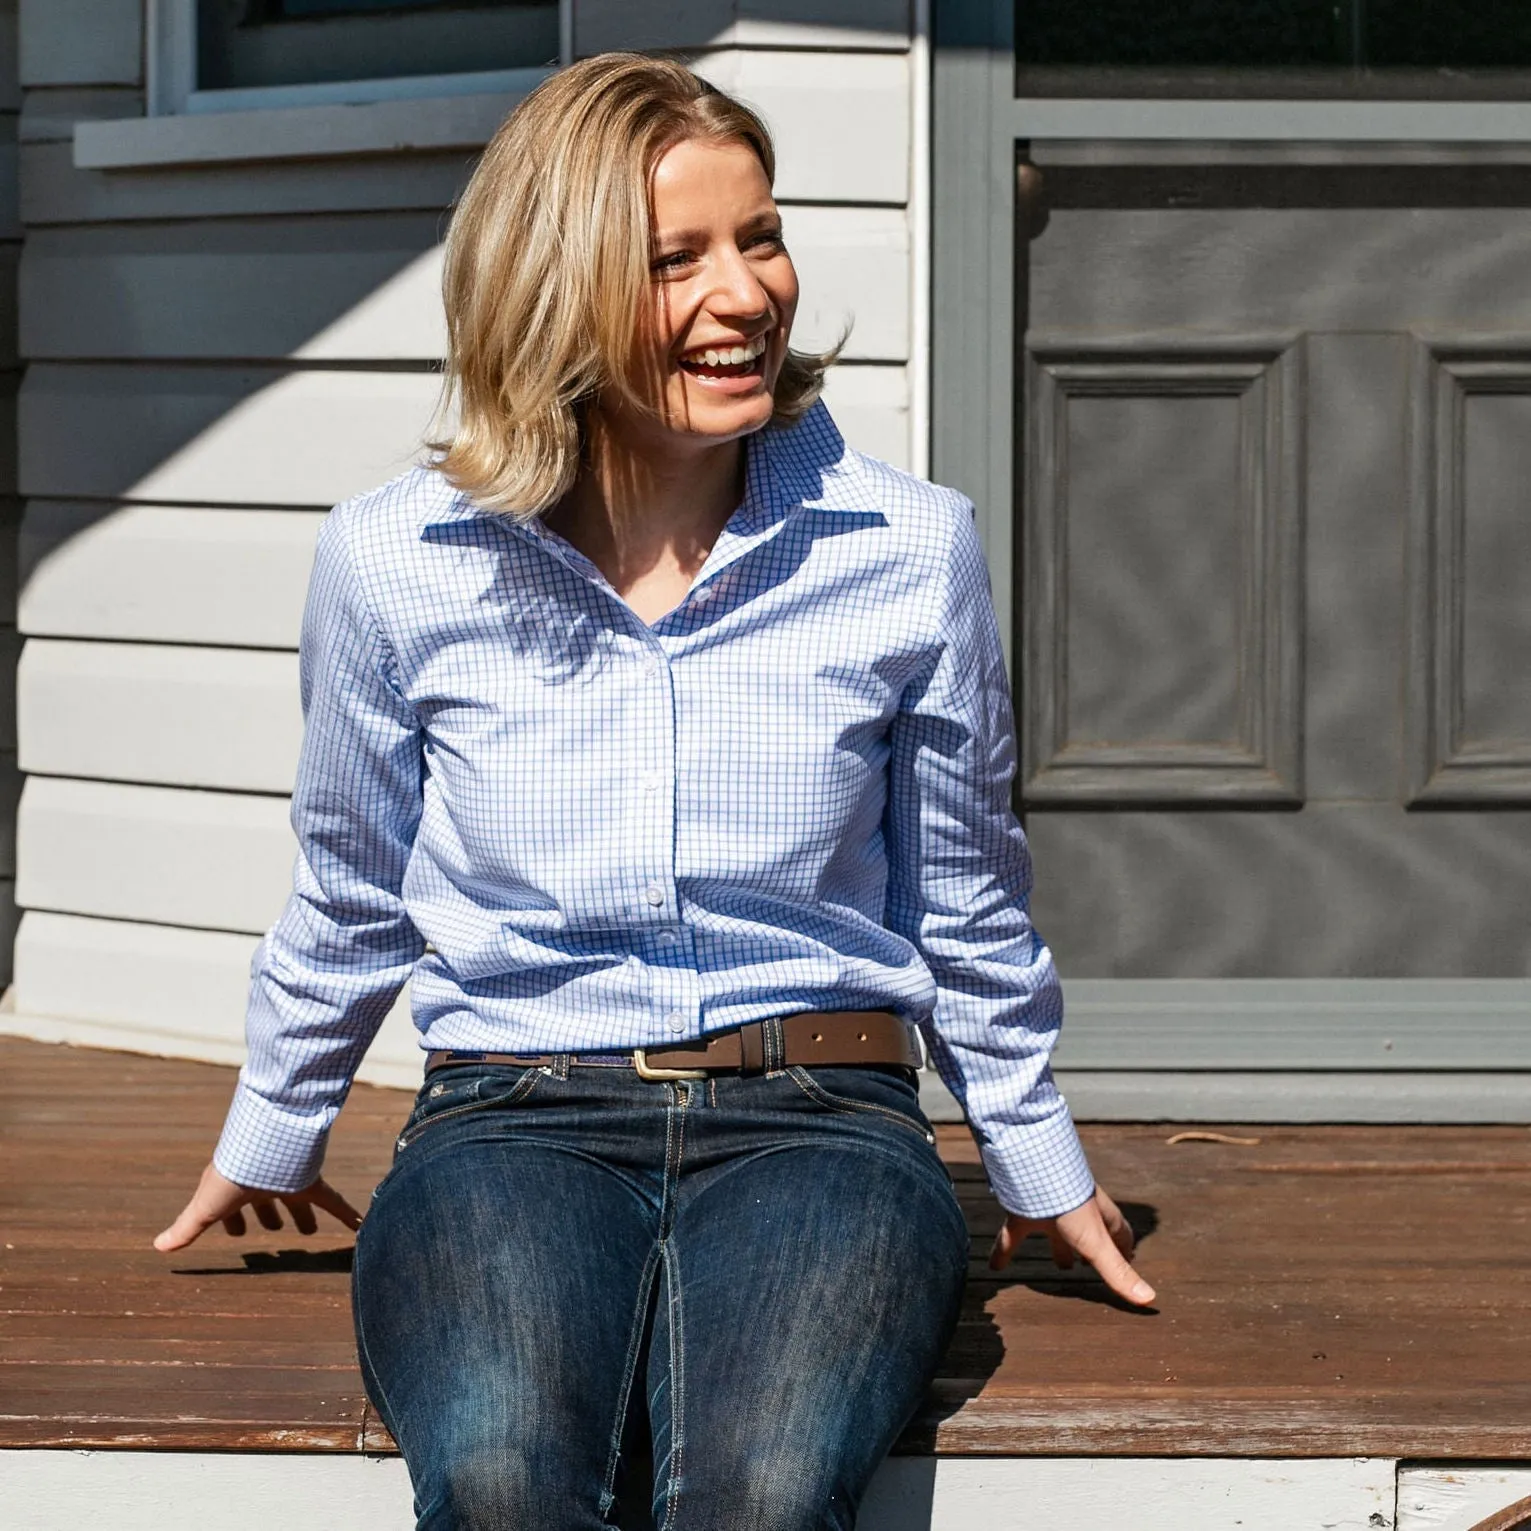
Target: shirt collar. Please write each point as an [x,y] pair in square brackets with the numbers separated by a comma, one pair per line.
[806,465]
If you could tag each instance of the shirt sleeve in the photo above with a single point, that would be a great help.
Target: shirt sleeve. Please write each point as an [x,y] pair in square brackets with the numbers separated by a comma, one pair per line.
[959,889]
[329,969]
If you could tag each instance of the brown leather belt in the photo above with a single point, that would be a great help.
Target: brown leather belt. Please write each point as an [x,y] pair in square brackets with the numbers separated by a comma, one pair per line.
[810,1037]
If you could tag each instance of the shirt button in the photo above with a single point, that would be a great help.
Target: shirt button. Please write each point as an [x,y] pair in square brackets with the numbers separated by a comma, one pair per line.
[702,596]
[651,667]
[654,893]
[675,1021]
[668,938]
[651,780]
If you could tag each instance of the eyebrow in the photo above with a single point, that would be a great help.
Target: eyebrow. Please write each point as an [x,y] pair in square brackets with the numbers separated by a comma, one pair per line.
[767,217]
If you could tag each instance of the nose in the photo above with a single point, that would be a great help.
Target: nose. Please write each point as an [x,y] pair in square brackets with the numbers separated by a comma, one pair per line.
[737,291]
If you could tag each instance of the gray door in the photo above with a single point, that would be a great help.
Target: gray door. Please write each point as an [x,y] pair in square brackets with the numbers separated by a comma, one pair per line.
[1259,365]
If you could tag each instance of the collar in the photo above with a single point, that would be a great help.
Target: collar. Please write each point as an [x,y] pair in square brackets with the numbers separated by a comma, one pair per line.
[806,466]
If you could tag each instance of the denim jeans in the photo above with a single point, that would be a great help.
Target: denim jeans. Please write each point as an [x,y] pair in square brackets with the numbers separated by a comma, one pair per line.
[760,1273]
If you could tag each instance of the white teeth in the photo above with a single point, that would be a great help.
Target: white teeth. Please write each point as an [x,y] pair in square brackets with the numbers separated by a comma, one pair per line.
[729,356]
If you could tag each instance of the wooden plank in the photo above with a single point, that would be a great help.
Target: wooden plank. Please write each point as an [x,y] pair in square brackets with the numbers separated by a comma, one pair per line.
[81,42]
[158,989]
[254,436]
[306,1493]
[192,717]
[165,573]
[1456,1498]
[871,407]
[369,288]
[1355,1338]
[154,853]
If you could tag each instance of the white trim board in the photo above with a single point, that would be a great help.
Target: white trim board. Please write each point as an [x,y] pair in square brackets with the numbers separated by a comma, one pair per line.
[198,1491]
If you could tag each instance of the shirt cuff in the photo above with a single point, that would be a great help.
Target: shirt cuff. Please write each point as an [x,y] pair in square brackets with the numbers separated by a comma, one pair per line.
[1038,1169]
[269,1148]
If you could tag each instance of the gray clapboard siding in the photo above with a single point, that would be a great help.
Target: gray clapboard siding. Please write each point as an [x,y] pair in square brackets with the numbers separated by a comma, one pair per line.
[158,989]
[166,573]
[845,24]
[209,860]
[81,42]
[49,114]
[53,191]
[267,436]
[261,436]
[10,192]
[134,712]
[179,1491]
[10,48]
[369,289]
[10,794]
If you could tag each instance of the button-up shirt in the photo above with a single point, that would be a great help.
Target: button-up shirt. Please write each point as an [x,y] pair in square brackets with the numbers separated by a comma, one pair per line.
[571,830]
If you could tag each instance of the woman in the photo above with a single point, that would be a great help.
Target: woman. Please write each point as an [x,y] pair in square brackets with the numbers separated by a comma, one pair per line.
[665,745]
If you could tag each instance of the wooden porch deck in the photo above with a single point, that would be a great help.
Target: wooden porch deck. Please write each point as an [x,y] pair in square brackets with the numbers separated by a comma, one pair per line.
[1330,1292]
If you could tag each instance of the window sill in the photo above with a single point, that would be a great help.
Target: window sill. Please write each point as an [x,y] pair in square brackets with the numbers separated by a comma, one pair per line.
[416,126]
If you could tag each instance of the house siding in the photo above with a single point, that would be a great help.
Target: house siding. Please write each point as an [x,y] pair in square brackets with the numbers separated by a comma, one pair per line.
[217,352]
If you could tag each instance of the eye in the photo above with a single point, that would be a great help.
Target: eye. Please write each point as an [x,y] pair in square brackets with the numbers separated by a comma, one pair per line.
[769,240]
[675,260]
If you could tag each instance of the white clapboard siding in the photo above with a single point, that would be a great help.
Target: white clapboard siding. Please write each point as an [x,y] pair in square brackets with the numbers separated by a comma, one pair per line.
[264,437]
[840,120]
[143,712]
[210,435]
[210,860]
[82,42]
[185,1491]
[158,989]
[600,25]
[871,407]
[369,289]
[165,573]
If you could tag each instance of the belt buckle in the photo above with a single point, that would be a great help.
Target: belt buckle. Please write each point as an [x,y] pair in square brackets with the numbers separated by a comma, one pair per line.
[641,1064]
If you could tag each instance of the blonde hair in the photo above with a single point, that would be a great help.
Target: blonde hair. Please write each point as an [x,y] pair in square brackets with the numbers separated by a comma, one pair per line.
[547,265]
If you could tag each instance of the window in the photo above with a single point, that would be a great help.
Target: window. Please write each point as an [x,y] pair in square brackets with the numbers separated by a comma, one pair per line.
[1359,48]
[219,55]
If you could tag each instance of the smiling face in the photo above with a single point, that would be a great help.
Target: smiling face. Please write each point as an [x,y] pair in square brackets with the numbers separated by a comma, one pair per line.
[722,293]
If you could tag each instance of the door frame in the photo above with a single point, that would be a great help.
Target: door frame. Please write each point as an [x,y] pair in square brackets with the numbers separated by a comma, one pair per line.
[1213,1049]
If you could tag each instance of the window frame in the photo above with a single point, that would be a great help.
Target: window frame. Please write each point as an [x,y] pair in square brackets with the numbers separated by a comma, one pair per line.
[171,72]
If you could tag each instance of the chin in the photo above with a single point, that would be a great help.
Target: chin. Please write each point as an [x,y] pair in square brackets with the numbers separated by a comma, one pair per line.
[717,420]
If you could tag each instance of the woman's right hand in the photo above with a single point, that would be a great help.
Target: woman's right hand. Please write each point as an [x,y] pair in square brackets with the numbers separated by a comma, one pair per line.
[219,1200]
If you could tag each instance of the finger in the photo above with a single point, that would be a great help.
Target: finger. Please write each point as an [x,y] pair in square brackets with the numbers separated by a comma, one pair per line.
[302,1214]
[1003,1249]
[234,1224]
[1063,1254]
[1114,1270]
[266,1213]
[328,1199]
[191,1224]
[1116,1224]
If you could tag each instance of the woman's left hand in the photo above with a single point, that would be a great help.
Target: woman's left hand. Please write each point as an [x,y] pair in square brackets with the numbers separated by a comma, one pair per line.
[1096,1232]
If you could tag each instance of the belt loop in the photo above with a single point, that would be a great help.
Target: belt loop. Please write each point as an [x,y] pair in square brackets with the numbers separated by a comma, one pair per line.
[775,1045]
[752,1055]
[561,1063]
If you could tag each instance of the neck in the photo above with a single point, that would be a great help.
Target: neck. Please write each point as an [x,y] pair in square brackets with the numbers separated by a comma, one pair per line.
[634,509]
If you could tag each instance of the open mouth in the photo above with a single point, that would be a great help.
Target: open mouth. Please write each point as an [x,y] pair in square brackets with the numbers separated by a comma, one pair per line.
[746,360]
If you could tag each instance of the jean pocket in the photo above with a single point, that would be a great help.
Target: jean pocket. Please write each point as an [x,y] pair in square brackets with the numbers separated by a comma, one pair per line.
[461,1091]
[887,1093]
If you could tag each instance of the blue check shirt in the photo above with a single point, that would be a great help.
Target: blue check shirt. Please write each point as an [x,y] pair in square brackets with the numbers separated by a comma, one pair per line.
[570,830]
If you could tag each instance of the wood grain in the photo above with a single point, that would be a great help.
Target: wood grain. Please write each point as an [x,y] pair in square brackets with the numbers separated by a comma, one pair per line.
[1379,1313]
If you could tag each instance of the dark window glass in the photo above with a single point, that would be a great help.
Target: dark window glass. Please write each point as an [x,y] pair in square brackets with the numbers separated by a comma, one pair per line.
[242,43]
[1191,33]
[1376,48]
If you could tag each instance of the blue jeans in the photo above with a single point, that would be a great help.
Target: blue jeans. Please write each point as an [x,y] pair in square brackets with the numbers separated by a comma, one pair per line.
[761,1273]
